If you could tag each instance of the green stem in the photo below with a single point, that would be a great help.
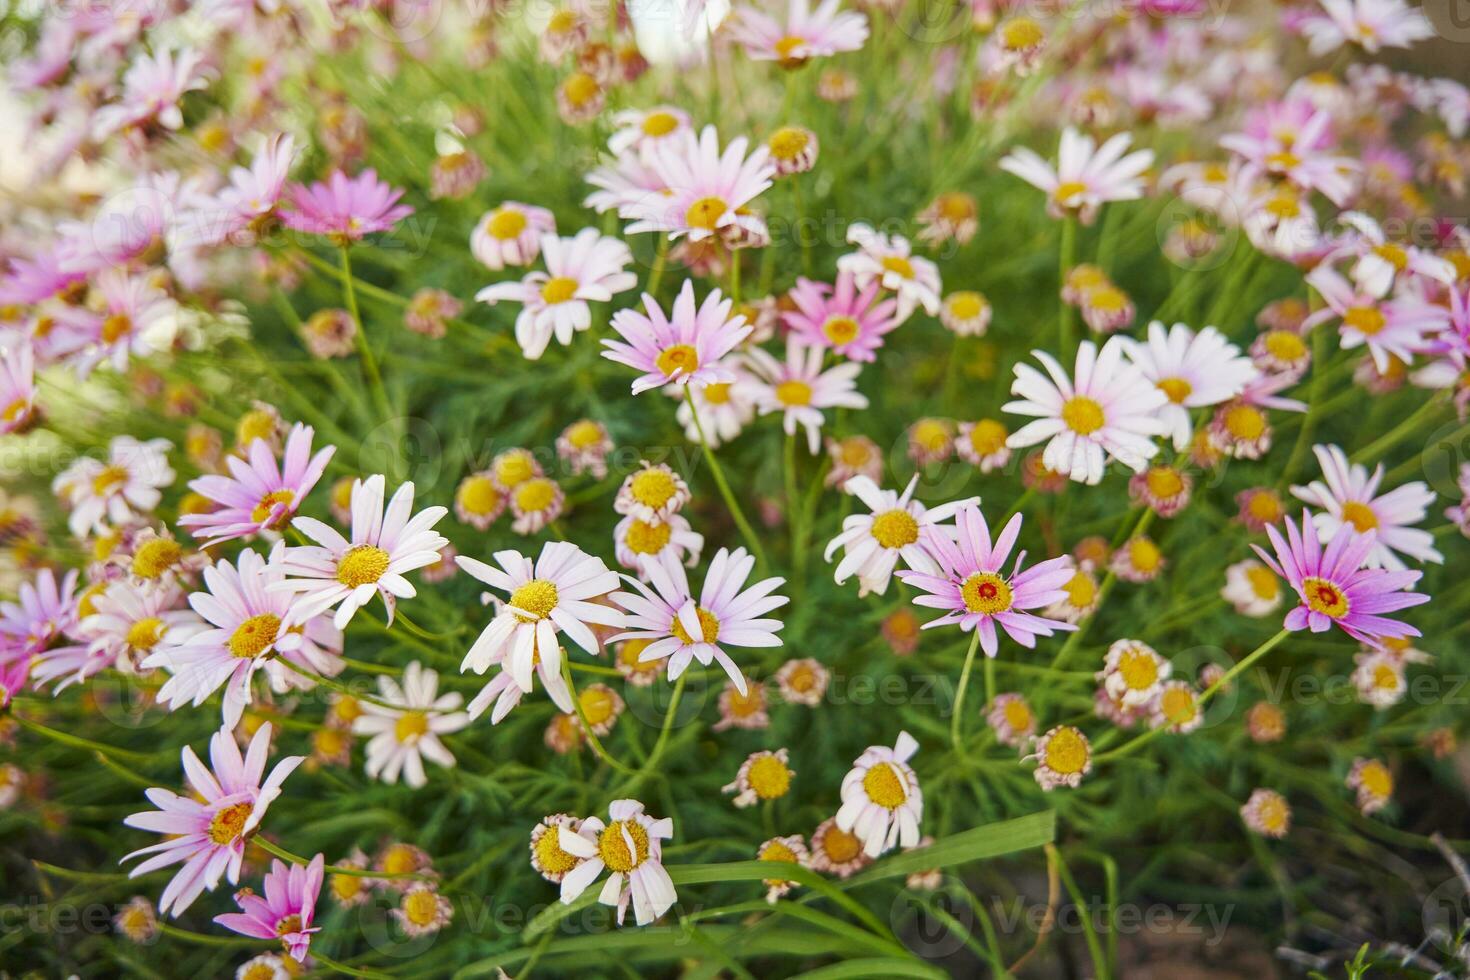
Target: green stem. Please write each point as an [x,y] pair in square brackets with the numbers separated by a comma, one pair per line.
[420,632]
[364,349]
[270,847]
[746,531]
[959,698]
[660,259]
[350,971]
[77,742]
[592,739]
[1068,259]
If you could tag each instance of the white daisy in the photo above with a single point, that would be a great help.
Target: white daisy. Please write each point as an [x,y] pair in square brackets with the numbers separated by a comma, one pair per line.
[1086,176]
[346,574]
[630,845]
[881,800]
[1348,494]
[1110,411]
[873,543]
[800,389]
[118,492]
[402,736]
[889,259]
[1193,370]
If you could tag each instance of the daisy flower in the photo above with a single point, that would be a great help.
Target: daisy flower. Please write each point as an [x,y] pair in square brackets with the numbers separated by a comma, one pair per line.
[1133,673]
[706,191]
[152,89]
[803,682]
[881,800]
[590,267]
[1177,708]
[1380,679]
[1370,24]
[345,209]
[423,910]
[584,446]
[131,310]
[853,456]
[403,735]
[510,235]
[641,129]
[793,150]
[842,318]
[1063,756]
[1139,559]
[207,831]
[1265,722]
[1380,263]
[742,705]
[286,911]
[1109,412]
[478,501]
[535,503]
[1163,489]
[1193,370]
[966,313]
[46,610]
[931,440]
[1080,598]
[247,206]
[889,261]
[951,215]
[682,628]
[249,625]
[260,494]
[805,33]
[653,493]
[1267,813]
[1348,495]
[546,597]
[118,492]
[634,669]
[428,312]
[1333,586]
[1252,588]
[683,348]
[636,540]
[836,851]
[1086,176]
[800,389]
[782,850]
[137,921]
[975,592]
[896,528]
[1240,426]
[1373,782]
[17,389]
[630,846]
[548,858]
[1395,328]
[1011,718]
[126,624]
[762,776]
[725,408]
[345,574]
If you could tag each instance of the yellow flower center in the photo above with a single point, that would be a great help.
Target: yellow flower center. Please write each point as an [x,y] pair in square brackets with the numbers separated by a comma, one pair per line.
[561,21]
[1263,583]
[1285,160]
[1324,597]
[1083,415]
[1017,715]
[1144,555]
[1376,779]
[884,786]
[536,599]
[647,539]
[1271,812]
[507,223]
[1394,255]
[855,451]
[788,142]
[717,393]
[109,479]
[421,907]
[1066,751]
[895,528]
[116,327]
[255,424]
[400,859]
[1385,678]
[254,635]
[653,487]
[1285,345]
[898,264]
[1245,422]
[705,213]
[145,633]
[787,45]
[1108,299]
[1177,389]
[1081,590]
[629,653]
[156,556]
[15,409]
[678,359]
[708,625]
[1178,706]
[794,393]
[347,708]
[346,887]
[966,305]
[226,826]
[659,123]
[986,593]
[1021,33]
[1359,515]
[769,777]
[1264,506]
[1069,191]
[550,856]
[1138,669]
[612,845]
[987,437]
[580,88]
[558,289]
[288,925]
[584,434]
[514,468]
[536,494]
[597,704]
[411,726]
[778,852]
[363,564]
[840,845]
[801,679]
[329,742]
[268,503]
[840,330]
[477,495]
[930,434]
[1366,320]
[1164,482]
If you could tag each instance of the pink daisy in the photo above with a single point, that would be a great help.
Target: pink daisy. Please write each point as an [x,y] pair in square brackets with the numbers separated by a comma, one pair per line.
[842,317]
[131,306]
[975,591]
[683,348]
[209,837]
[17,389]
[286,911]
[510,235]
[805,34]
[259,494]
[1348,496]
[46,610]
[1395,328]
[1335,588]
[152,89]
[799,389]
[707,190]
[344,208]
[245,208]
